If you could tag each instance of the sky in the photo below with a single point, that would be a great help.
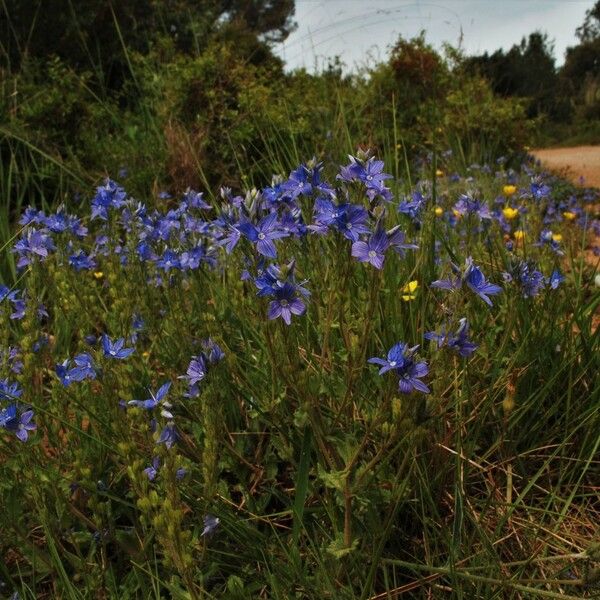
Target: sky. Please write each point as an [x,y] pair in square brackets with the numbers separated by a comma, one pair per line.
[361,31]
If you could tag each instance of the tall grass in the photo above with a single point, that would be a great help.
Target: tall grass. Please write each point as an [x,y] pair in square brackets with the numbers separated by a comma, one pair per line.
[327,481]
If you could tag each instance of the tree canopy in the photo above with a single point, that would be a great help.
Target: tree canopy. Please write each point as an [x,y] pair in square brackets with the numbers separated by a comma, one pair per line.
[92,34]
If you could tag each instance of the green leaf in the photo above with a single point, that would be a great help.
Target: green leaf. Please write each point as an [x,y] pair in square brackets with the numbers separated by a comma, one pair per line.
[338,549]
[302,483]
[333,479]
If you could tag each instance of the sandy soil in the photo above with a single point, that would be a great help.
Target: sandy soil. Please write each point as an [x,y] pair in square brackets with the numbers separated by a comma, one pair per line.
[577,162]
[581,161]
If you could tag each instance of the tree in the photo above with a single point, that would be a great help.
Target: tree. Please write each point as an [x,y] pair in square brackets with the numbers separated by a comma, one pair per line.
[95,34]
[581,72]
[589,30]
[271,19]
[527,70]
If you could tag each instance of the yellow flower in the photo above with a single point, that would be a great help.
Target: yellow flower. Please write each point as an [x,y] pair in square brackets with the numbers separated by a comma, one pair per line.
[519,235]
[510,213]
[98,274]
[439,173]
[557,237]
[409,291]
[146,354]
[509,190]
[568,215]
[456,213]
[439,211]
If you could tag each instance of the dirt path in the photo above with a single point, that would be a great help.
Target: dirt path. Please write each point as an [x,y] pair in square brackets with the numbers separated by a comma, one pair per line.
[581,161]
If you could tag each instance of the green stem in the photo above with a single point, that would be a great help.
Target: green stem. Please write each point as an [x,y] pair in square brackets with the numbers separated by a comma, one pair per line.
[514,584]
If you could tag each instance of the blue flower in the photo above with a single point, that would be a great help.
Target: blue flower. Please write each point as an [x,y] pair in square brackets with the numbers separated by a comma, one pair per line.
[400,359]
[539,189]
[83,369]
[145,252]
[20,424]
[287,302]
[33,244]
[116,350]
[19,307]
[304,181]
[473,278]
[532,281]
[395,359]
[263,234]
[168,435]
[213,351]
[81,261]
[397,241]
[550,239]
[11,359]
[527,276]
[84,361]
[468,205]
[169,260]
[478,284]
[8,415]
[40,343]
[351,221]
[231,238]
[165,225]
[107,196]
[196,370]
[195,199]
[555,279]
[32,215]
[155,400]
[9,391]
[138,323]
[211,523]
[325,212]
[298,184]
[198,366]
[292,223]
[459,341]
[191,259]
[370,173]
[152,471]
[7,294]
[373,250]
[414,206]
[279,282]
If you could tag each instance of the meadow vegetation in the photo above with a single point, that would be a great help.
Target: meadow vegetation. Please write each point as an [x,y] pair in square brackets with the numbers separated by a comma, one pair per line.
[238,363]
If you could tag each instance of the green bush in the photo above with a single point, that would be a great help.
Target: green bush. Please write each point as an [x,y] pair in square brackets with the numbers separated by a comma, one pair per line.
[220,118]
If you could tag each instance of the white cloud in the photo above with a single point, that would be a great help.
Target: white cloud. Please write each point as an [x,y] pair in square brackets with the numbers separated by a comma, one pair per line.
[352,29]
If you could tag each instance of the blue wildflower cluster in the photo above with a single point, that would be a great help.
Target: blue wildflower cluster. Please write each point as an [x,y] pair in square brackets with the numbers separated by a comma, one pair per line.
[401,361]
[186,237]
[200,364]
[15,417]
[83,369]
[529,279]
[458,342]
[168,245]
[184,352]
[473,278]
